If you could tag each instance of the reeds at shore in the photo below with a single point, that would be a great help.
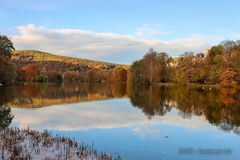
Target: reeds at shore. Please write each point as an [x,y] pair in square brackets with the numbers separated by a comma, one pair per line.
[26,144]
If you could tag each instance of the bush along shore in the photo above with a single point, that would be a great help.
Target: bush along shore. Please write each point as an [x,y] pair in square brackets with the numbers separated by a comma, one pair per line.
[26,144]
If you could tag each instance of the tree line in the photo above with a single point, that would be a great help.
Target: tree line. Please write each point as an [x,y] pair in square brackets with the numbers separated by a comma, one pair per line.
[40,73]
[220,65]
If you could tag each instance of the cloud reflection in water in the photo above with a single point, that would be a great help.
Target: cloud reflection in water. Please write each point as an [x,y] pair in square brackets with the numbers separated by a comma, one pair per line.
[108,114]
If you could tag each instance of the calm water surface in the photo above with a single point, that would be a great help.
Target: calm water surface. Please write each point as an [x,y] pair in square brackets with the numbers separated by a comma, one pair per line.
[137,123]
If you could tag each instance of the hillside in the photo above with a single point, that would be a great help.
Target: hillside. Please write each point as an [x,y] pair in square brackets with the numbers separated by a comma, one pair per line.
[22,57]
[36,66]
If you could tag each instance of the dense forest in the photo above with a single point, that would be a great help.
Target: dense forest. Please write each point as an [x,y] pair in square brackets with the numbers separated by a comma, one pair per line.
[219,65]
[35,66]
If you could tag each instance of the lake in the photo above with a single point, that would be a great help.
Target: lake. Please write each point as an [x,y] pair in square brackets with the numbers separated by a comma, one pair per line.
[158,122]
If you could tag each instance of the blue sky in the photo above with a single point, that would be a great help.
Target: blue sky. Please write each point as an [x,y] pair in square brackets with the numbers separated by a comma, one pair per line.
[125,29]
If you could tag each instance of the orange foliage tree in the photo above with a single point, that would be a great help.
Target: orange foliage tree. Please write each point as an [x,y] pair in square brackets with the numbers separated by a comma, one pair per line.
[97,75]
[227,77]
[28,72]
[119,74]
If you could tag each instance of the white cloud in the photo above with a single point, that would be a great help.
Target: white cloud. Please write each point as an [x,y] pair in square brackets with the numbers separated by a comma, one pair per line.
[101,46]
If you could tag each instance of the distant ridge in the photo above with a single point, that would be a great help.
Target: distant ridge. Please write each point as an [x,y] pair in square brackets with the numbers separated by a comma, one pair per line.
[59,63]
[34,55]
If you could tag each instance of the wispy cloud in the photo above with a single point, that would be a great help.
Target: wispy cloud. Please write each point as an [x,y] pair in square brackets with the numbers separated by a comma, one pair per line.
[101,46]
[148,31]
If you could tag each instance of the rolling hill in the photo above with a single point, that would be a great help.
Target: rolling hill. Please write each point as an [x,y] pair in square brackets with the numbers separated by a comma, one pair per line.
[38,56]
[23,57]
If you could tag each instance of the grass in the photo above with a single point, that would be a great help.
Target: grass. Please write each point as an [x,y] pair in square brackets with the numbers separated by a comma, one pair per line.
[29,144]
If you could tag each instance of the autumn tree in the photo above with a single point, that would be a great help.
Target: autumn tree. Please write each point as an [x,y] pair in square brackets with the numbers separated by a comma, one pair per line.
[97,75]
[184,72]
[228,73]
[213,74]
[236,62]
[6,47]
[221,64]
[119,74]
[163,61]
[151,64]
[139,73]
[213,52]
[227,77]
[153,68]
[28,72]
[228,45]
[7,69]
[213,64]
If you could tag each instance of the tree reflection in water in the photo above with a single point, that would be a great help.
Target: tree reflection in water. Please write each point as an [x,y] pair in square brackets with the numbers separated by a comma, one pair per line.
[220,107]
[6,117]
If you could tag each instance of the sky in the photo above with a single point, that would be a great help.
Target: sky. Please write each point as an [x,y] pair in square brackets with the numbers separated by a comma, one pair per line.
[119,31]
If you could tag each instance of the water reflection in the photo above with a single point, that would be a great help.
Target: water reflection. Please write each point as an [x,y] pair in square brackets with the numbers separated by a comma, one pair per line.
[5,117]
[110,114]
[219,107]
[5,112]
[40,95]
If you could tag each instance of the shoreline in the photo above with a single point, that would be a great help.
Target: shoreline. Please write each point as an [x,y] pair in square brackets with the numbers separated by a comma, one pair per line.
[170,84]
[109,83]
[31,144]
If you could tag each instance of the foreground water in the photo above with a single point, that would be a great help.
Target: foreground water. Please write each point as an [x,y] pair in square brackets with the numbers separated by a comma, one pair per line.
[137,123]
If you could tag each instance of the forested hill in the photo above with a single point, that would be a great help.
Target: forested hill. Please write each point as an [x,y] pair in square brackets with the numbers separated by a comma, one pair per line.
[22,57]
[36,66]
